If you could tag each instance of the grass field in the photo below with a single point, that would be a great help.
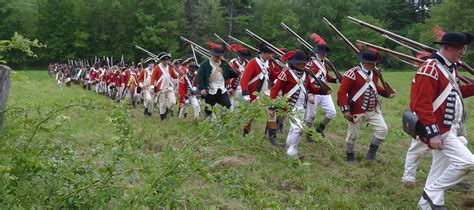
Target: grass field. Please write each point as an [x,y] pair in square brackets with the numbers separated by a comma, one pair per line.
[88,151]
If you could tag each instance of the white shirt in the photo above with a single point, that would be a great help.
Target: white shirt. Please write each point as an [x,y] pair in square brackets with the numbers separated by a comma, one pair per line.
[219,81]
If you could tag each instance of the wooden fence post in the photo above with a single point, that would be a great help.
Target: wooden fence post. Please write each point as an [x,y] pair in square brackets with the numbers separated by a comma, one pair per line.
[4,90]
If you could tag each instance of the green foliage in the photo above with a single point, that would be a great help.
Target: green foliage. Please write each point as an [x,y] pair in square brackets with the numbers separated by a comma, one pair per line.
[18,42]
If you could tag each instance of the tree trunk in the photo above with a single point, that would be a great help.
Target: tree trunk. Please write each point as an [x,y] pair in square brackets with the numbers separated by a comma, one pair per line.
[4,90]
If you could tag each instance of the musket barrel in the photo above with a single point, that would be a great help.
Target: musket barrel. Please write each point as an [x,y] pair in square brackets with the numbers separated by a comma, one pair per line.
[383,31]
[275,49]
[243,43]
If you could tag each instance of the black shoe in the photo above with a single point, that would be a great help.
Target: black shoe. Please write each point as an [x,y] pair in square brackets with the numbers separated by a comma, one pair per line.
[273,138]
[372,153]
[320,129]
[432,205]
[309,138]
[351,157]
[145,112]
[163,116]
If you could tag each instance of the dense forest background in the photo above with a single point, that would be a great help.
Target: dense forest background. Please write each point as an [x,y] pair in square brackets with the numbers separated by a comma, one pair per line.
[74,29]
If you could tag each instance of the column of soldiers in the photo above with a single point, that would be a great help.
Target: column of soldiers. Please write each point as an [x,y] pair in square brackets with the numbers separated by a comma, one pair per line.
[436,98]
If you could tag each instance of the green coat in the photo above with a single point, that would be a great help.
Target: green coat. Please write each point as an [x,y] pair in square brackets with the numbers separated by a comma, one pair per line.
[204,73]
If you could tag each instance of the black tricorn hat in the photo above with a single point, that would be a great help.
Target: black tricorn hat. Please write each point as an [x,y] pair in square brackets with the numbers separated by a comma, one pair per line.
[262,47]
[456,38]
[321,48]
[299,57]
[217,51]
[369,56]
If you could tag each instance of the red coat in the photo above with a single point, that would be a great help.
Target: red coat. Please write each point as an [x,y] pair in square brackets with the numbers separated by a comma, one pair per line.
[233,83]
[252,70]
[316,70]
[285,82]
[156,75]
[93,75]
[124,77]
[428,84]
[183,91]
[351,84]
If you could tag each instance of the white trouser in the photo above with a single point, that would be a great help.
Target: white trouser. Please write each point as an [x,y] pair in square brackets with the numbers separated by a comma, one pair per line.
[296,128]
[166,100]
[118,96]
[148,100]
[450,166]
[325,102]
[195,103]
[414,153]
[374,118]
[237,94]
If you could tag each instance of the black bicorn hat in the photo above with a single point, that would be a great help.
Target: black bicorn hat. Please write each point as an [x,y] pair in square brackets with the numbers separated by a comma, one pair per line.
[321,48]
[244,53]
[299,57]
[262,47]
[369,56]
[164,56]
[455,38]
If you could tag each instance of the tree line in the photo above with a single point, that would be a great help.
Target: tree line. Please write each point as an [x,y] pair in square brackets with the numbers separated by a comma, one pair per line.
[86,28]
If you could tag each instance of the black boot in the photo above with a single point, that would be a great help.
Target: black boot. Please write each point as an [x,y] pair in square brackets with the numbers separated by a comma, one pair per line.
[163,116]
[372,153]
[145,112]
[246,131]
[273,137]
[351,157]
[320,129]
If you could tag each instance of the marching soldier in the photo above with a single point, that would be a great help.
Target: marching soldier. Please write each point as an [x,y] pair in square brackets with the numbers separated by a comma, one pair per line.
[163,80]
[239,63]
[258,76]
[320,69]
[144,85]
[187,90]
[294,82]
[437,100]
[211,77]
[358,98]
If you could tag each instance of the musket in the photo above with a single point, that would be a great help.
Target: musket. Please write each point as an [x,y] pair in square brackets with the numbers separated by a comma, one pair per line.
[309,47]
[388,89]
[197,47]
[147,52]
[194,54]
[277,51]
[243,43]
[227,45]
[406,40]
[403,44]
[407,58]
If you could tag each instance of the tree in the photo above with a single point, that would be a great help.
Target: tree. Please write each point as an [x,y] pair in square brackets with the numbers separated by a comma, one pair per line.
[20,43]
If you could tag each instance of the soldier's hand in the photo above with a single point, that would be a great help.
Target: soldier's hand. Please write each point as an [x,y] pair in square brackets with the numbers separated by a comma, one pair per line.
[392,95]
[348,116]
[436,142]
[203,92]
[311,99]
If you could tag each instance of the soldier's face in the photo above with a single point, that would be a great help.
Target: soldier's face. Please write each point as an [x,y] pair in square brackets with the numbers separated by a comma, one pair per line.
[151,65]
[165,62]
[458,52]
[300,66]
[265,55]
[370,66]
[321,55]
